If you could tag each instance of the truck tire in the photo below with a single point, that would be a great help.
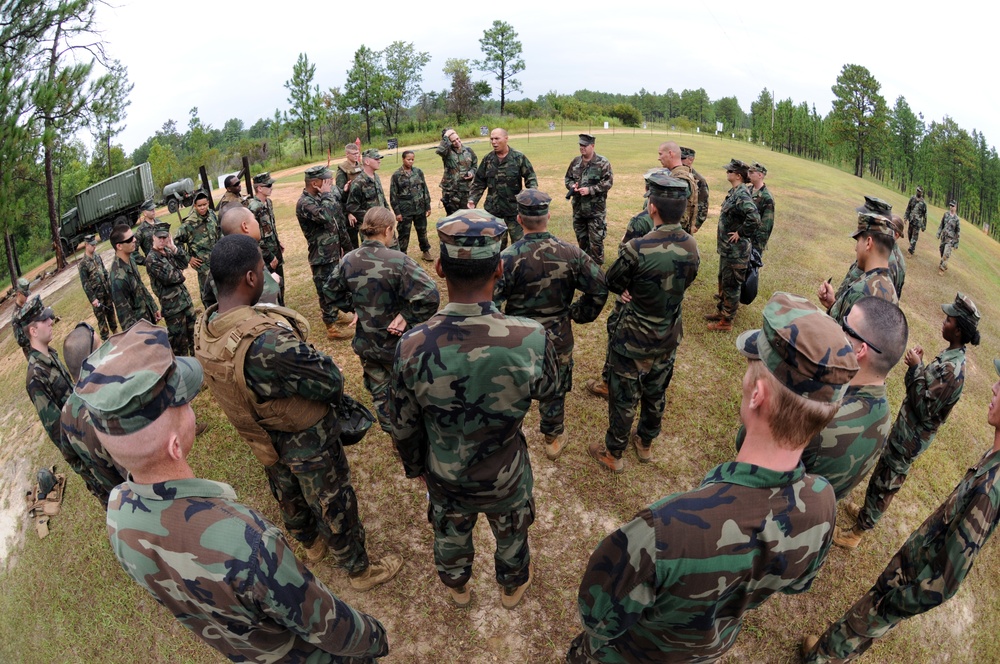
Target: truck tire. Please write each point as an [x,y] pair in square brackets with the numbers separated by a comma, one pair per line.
[121,219]
[67,249]
[172,205]
[104,230]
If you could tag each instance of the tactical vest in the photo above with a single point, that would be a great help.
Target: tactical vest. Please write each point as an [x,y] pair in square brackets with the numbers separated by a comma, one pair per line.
[221,347]
[691,209]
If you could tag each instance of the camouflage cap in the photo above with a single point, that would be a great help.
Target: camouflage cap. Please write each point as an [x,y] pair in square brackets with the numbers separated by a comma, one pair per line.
[133,378]
[371,154]
[471,234]
[23,286]
[806,350]
[90,239]
[161,229]
[587,139]
[200,194]
[952,204]
[873,223]
[149,206]
[736,165]
[687,153]
[533,203]
[263,178]
[996,365]
[875,206]
[34,311]
[319,173]
[963,307]
[920,190]
[660,183]
[758,167]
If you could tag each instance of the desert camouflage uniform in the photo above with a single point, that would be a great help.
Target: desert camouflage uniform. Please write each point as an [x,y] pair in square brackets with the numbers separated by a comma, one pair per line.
[916,215]
[927,570]
[674,583]
[948,233]
[132,301]
[454,186]
[540,275]
[364,194]
[229,576]
[97,286]
[229,197]
[590,212]
[143,232]
[738,214]
[197,236]
[765,206]
[270,245]
[379,283]
[78,434]
[166,277]
[690,218]
[410,199]
[320,220]
[876,282]
[502,181]
[656,269]
[462,385]
[932,390]
[702,198]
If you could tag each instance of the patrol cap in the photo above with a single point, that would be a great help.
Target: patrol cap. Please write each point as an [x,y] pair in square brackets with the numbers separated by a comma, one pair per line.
[920,189]
[875,205]
[687,153]
[952,204]
[736,165]
[963,307]
[35,311]
[873,223]
[319,173]
[133,378]
[263,178]
[533,203]
[996,365]
[806,350]
[659,182]
[471,234]
[371,154]
[200,195]
[148,206]
[161,229]
[587,139]
[231,180]
[23,287]
[759,167]
[90,239]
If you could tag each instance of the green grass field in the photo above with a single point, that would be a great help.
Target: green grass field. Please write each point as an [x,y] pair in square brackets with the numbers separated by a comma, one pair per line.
[66,599]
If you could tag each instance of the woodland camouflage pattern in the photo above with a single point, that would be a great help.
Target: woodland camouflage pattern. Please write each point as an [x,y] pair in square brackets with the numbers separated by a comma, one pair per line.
[916,215]
[97,286]
[702,198]
[132,301]
[197,236]
[49,385]
[454,186]
[948,233]
[897,274]
[737,215]
[365,193]
[410,199]
[765,206]
[927,570]
[77,431]
[143,240]
[876,282]
[270,245]
[166,277]
[590,212]
[673,584]
[229,576]
[502,180]
[690,219]
[325,229]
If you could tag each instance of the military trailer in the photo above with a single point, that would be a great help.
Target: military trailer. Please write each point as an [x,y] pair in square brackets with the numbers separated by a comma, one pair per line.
[100,207]
[179,194]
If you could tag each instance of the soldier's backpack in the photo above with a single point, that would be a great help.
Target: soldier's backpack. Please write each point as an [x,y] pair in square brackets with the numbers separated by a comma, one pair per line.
[748,293]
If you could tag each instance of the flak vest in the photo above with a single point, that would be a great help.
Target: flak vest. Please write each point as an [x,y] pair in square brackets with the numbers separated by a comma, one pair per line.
[221,346]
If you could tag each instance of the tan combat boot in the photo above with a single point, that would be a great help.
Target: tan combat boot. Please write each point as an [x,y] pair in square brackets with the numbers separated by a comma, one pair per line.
[598,389]
[377,573]
[848,539]
[809,642]
[461,596]
[554,445]
[316,551]
[336,331]
[602,456]
[511,597]
[853,509]
[644,452]
[427,256]
[721,325]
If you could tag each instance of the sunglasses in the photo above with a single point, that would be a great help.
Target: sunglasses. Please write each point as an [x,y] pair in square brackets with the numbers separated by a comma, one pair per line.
[127,240]
[851,332]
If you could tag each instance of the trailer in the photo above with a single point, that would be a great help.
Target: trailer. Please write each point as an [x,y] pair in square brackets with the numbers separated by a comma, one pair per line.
[101,207]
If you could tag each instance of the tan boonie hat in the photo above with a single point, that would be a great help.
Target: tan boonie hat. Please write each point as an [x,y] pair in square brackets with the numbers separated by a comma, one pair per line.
[471,234]
[963,307]
[806,350]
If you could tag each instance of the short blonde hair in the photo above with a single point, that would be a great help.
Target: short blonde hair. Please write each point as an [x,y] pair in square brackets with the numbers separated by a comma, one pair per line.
[794,420]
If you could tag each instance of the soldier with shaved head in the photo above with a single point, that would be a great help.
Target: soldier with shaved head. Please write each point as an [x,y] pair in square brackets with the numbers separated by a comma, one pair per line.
[502,174]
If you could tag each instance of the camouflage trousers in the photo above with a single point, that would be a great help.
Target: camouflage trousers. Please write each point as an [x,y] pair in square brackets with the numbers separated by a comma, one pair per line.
[590,233]
[376,377]
[514,230]
[902,448]
[81,468]
[634,382]
[180,331]
[419,224]
[913,233]
[105,315]
[453,550]
[946,249]
[203,276]
[732,274]
[321,274]
[553,409]
[280,271]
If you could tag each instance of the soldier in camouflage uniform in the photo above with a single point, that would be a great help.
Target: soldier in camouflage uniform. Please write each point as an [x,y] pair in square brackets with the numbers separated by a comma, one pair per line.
[241,221]
[932,390]
[501,174]
[97,286]
[462,384]
[873,245]
[687,158]
[197,235]
[270,246]
[144,232]
[286,408]
[459,164]
[739,227]
[897,264]
[656,270]
[165,266]
[931,565]
[224,571]
[21,293]
[762,198]
[132,301]
[948,233]
[233,195]
[365,192]
[916,216]
[541,273]
[674,583]
[588,180]
[390,293]
[347,170]
[669,156]
[48,382]
[412,203]
[327,238]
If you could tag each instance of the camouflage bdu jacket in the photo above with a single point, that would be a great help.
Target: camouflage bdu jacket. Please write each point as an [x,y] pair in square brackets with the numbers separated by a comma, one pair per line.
[737,215]
[17,325]
[765,206]
[456,166]
[346,173]
[166,276]
[462,384]
[78,434]
[875,282]
[598,176]
[364,194]
[143,241]
[197,236]
[638,226]
[408,193]
[263,211]
[656,269]
[702,197]
[327,239]
[132,301]
[949,229]
[94,277]
[847,449]
[379,283]
[229,576]
[540,275]
[49,385]
[916,212]
[674,583]
[690,219]
[897,273]
[503,180]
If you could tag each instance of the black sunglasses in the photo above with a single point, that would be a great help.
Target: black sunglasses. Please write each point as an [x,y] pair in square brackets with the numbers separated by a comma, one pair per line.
[850,331]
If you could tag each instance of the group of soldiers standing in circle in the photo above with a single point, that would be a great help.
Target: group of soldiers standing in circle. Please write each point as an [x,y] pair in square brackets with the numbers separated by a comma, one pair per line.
[451,385]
